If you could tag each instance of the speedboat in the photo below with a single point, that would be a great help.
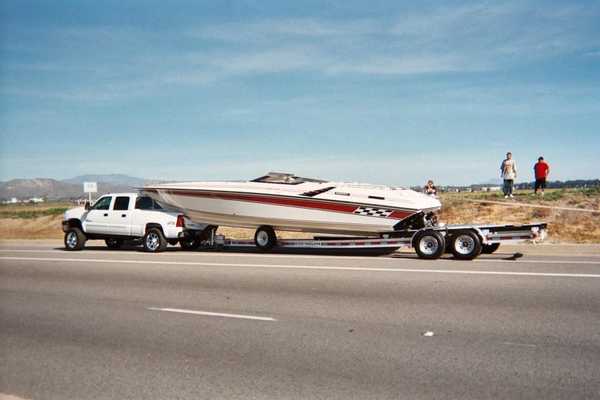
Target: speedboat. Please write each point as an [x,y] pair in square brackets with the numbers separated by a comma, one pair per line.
[283,201]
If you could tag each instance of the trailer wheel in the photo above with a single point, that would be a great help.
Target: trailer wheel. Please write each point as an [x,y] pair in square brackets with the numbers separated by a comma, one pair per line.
[74,239]
[429,245]
[465,245]
[490,248]
[265,238]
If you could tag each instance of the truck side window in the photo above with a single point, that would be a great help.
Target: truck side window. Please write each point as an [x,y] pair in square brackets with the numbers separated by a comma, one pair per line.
[121,203]
[157,206]
[143,203]
[102,204]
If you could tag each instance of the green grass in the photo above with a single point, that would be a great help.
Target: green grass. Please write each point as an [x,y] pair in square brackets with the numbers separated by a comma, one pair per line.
[527,194]
[555,195]
[30,214]
[591,192]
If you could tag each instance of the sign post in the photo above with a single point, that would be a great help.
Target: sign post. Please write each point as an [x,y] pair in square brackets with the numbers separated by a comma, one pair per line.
[89,188]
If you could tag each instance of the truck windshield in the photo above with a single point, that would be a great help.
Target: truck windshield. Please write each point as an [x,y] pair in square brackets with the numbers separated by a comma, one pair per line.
[102,204]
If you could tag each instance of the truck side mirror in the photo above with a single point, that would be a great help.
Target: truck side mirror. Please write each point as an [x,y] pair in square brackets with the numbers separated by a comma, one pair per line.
[87,205]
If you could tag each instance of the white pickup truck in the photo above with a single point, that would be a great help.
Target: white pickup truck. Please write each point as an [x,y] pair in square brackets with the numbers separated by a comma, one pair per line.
[121,217]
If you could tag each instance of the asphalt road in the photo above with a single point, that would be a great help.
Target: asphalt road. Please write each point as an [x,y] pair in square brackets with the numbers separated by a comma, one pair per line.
[102,324]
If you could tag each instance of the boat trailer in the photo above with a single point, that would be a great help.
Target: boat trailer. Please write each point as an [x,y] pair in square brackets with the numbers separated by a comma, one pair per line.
[465,242]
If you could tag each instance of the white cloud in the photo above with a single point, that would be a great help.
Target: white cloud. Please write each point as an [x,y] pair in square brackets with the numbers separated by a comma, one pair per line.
[289,28]
[403,64]
[496,36]
[446,39]
[272,60]
[482,37]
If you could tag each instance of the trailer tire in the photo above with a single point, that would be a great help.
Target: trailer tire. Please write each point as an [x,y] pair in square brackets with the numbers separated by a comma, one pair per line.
[489,248]
[465,245]
[265,238]
[154,241]
[429,244]
[74,239]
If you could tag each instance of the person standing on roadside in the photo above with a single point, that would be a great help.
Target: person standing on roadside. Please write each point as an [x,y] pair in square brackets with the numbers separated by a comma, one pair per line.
[508,170]
[541,170]
[430,188]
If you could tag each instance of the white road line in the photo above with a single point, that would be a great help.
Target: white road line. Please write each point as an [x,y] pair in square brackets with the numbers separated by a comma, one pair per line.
[308,267]
[519,344]
[397,257]
[201,254]
[211,314]
[10,397]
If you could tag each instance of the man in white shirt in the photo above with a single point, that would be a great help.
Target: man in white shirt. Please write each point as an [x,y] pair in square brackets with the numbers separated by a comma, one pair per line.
[508,170]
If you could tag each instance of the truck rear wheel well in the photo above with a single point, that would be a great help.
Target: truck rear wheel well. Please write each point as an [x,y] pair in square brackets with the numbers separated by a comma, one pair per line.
[153,225]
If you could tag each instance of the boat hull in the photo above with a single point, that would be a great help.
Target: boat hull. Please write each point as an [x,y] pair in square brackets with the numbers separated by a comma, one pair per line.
[281,212]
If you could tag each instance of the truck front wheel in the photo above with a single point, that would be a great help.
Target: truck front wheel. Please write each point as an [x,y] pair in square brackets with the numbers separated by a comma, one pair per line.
[74,239]
[154,241]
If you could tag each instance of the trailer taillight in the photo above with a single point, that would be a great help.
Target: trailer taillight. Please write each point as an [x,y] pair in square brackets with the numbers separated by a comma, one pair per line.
[180,221]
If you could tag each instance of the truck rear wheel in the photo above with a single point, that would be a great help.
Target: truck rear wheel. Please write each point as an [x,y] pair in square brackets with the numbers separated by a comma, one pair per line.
[490,248]
[154,241]
[465,245]
[74,239]
[429,244]
[265,238]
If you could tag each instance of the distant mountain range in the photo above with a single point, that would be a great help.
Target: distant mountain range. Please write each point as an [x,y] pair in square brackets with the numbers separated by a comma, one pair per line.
[71,188]
[112,179]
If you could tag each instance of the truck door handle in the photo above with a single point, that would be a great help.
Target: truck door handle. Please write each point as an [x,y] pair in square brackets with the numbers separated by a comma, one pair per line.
[123,215]
[106,215]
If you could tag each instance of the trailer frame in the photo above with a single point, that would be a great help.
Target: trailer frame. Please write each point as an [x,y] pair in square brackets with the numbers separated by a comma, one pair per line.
[476,235]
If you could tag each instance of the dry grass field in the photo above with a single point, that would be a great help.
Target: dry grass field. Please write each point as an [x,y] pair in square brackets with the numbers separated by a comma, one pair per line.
[564,226]
[42,221]
[32,221]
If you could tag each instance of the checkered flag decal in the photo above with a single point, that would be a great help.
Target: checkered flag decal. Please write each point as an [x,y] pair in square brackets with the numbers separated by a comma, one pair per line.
[373,212]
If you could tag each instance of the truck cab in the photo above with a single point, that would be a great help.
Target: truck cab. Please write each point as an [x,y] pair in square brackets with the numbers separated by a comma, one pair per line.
[129,217]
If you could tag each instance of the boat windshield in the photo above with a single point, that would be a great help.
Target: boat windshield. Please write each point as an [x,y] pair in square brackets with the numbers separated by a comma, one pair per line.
[285,179]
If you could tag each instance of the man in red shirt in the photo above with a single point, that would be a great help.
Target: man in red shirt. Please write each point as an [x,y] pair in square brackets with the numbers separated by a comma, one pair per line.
[541,169]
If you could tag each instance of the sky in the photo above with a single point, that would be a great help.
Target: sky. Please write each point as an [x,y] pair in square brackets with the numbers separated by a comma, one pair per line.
[381,91]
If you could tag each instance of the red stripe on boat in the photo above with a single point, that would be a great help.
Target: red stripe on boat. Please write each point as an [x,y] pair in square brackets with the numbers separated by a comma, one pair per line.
[283,201]
[398,214]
